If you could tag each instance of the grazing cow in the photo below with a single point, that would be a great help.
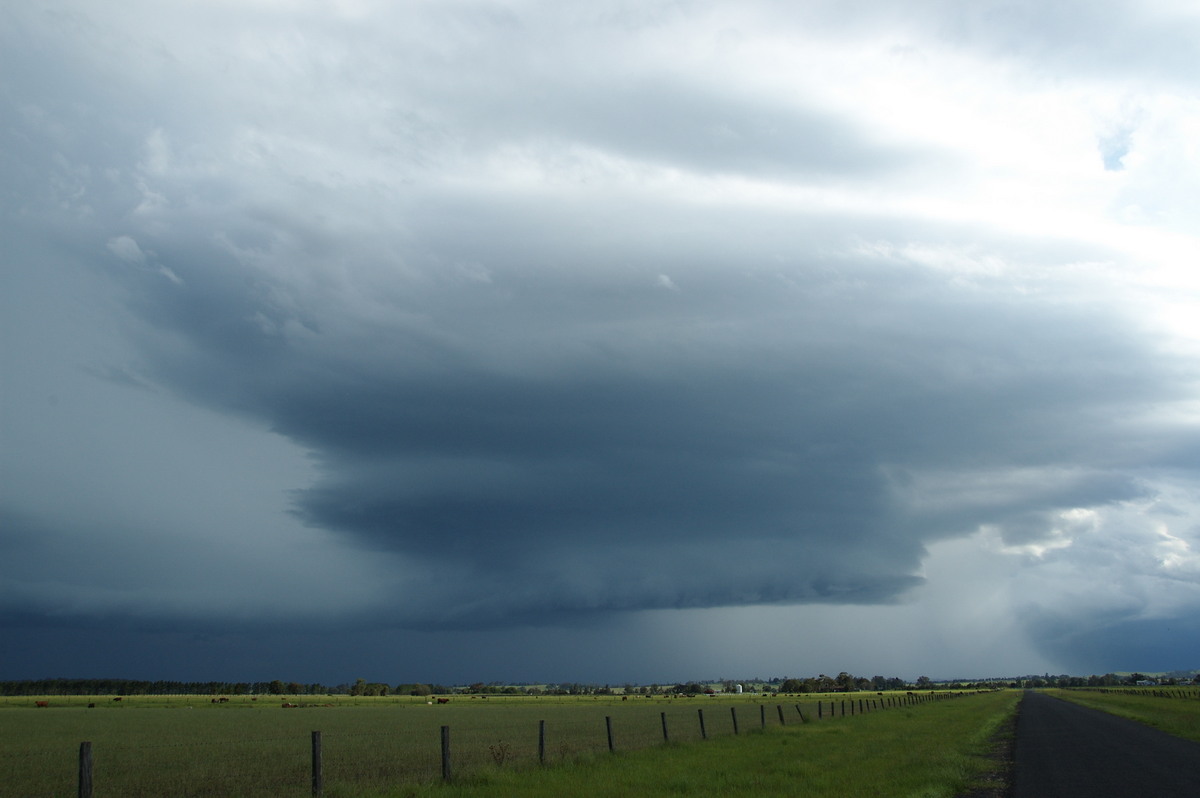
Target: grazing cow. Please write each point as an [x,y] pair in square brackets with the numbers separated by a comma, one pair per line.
[443,700]
[289,705]
[42,703]
[118,698]
[91,706]
[624,698]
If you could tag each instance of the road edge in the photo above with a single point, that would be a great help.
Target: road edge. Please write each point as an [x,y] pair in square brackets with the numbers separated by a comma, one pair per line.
[1002,754]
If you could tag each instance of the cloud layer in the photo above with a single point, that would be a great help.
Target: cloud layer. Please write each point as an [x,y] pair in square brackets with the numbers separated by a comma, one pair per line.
[449,318]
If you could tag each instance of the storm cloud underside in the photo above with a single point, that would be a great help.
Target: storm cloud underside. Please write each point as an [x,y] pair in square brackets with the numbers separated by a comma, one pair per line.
[520,318]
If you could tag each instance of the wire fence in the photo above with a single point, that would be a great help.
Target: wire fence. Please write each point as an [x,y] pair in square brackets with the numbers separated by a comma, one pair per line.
[1154,692]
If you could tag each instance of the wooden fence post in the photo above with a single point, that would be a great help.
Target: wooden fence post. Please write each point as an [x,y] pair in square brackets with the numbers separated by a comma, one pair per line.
[762,715]
[318,779]
[782,722]
[541,742]
[85,770]
[666,738]
[608,726]
[801,714]
[703,733]
[445,753]
[733,711]
[820,710]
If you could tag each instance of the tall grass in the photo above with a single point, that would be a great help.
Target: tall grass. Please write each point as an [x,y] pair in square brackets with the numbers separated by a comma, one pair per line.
[936,750]
[185,746]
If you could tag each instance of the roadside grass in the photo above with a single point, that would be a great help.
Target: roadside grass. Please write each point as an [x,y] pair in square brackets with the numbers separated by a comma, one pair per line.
[935,750]
[1177,716]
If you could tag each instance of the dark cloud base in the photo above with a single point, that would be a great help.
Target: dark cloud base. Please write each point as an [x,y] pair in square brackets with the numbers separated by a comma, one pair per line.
[570,322]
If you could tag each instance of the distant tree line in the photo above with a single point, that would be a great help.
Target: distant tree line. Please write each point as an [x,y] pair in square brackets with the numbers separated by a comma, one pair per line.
[165,687]
[846,683]
[161,687]
[1107,680]
[843,682]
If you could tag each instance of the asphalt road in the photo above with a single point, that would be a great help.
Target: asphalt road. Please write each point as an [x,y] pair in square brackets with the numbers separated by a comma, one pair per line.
[1067,751]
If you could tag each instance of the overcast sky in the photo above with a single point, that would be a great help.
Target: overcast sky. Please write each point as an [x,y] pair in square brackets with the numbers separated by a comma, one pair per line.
[609,341]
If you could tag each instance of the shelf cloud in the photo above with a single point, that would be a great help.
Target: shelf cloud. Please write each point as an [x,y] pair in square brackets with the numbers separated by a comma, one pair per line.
[420,328]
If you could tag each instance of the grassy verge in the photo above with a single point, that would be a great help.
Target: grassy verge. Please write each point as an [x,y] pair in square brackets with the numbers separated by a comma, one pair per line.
[1177,716]
[937,750]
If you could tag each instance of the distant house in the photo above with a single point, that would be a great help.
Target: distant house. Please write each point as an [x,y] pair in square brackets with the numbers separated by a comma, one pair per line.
[1146,683]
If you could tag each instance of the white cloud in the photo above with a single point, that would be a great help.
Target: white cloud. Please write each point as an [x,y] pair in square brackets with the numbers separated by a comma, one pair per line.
[125,248]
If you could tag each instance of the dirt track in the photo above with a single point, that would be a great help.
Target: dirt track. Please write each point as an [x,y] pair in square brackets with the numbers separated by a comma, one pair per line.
[1067,751]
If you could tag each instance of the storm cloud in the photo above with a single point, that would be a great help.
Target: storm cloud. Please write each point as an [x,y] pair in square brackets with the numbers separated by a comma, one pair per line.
[442,322]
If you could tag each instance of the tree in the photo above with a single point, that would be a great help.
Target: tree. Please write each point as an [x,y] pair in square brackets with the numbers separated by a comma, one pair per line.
[691,688]
[276,687]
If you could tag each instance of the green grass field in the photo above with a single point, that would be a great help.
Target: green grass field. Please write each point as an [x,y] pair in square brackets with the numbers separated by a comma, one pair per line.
[935,750]
[1177,716]
[187,746]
